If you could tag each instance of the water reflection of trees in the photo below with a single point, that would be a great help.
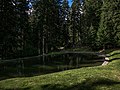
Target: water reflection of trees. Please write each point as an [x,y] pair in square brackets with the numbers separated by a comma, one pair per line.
[47,64]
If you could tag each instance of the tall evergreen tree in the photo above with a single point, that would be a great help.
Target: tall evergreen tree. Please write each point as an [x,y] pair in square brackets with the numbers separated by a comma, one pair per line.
[75,22]
[91,19]
[23,28]
[108,33]
[64,21]
[47,25]
[14,26]
[8,19]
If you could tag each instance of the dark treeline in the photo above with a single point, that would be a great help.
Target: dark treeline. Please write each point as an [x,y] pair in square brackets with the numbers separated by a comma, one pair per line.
[51,25]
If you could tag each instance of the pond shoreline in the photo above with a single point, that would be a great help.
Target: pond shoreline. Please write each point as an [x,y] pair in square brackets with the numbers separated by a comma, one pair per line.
[58,53]
[49,63]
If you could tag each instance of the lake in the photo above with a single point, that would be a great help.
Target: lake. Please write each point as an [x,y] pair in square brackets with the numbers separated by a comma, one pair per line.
[46,64]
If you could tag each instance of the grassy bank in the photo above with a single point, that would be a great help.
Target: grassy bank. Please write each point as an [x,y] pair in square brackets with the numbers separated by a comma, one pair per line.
[90,78]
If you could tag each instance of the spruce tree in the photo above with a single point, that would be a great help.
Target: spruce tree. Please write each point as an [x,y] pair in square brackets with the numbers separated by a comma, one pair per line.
[8,37]
[75,22]
[91,19]
[23,28]
[64,21]
[14,28]
[47,25]
[108,33]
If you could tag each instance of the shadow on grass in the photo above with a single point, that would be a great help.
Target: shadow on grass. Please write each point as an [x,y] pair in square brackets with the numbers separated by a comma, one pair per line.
[117,53]
[114,59]
[91,84]
[27,88]
[88,84]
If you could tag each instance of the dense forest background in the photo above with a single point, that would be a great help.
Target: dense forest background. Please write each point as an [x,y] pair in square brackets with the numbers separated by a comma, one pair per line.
[29,28]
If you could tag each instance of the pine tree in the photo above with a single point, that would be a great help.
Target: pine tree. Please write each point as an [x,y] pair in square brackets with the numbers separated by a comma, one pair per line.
[75,22]
[47,25]
[1,27]
[24,28]
[14,28]
[8,19]
[108,33]
[91,19]
[64,21]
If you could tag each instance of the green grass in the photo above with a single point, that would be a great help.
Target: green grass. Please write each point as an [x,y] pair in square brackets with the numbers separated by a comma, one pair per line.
[114,55]
[80,49]
[74,49]
[87,78]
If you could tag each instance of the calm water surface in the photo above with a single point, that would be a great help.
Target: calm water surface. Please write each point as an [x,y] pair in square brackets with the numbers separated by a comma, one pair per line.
[46,64]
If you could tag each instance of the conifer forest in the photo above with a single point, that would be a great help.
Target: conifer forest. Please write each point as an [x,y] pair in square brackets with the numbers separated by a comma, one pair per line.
[38,27]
